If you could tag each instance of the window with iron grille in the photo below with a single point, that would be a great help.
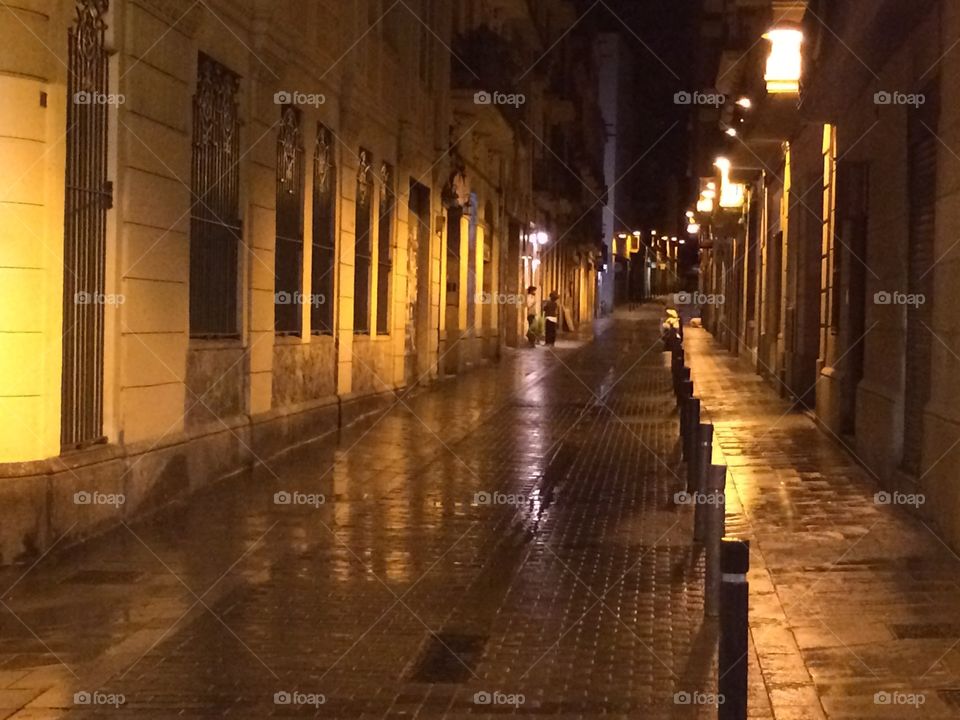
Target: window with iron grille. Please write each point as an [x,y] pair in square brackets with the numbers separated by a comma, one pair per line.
[361,278]
[215,228]
[324,233]
[288,257]
[88,196]
[384,259]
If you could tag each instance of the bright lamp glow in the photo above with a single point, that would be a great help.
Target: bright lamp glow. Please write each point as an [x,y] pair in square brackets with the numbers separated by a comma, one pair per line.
[745,102]
[732,132]
[705,204]
[732,195]
[785,62]
[693,228]
[690,214]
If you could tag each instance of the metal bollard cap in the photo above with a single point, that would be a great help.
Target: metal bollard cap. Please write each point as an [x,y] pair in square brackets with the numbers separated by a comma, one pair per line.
[734,556]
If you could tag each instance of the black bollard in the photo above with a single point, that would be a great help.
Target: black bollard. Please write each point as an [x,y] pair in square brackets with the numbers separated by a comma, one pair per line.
[690,435]
[716,524]
[674,373]
[684,419]
[697,470]
[734,627]
[685,388]
[677,368]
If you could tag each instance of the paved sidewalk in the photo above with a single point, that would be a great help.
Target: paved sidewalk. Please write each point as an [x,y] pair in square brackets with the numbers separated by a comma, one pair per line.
[511,533]
[855,603]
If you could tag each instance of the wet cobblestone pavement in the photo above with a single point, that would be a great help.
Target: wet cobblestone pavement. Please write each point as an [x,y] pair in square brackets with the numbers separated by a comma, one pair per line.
[510,533]
[855,604]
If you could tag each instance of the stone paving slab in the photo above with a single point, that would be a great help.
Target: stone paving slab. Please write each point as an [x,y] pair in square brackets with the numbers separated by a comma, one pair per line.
[855,604]
[511,533]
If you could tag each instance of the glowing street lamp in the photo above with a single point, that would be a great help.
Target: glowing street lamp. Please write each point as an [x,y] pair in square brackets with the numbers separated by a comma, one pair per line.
[745,102]
[785,62]
[732,195]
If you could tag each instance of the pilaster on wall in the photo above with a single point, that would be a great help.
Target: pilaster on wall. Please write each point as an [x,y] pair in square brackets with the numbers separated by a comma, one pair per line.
[464,254]
[346,258]
[260,237]
[399,278]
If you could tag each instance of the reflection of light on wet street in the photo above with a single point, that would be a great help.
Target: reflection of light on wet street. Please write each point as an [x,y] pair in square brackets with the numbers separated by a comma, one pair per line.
[311,593]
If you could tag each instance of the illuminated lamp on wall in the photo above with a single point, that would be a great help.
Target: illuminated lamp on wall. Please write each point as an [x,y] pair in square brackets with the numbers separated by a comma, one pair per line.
[785,62]
[732,195]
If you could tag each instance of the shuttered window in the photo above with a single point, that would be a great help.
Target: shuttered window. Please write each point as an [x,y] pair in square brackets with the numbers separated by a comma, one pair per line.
[363,245]
[384,241]
[215,203]
[922,196]
[288,257]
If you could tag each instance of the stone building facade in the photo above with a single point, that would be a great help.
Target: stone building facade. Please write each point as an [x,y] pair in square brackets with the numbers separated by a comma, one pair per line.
[843,254]
[230,228]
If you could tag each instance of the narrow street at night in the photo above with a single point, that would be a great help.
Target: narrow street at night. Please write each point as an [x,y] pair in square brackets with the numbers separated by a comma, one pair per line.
[517,534]
[514,534]
[403,359]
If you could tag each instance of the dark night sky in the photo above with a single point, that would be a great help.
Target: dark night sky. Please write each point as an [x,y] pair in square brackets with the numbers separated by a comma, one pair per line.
[663,36]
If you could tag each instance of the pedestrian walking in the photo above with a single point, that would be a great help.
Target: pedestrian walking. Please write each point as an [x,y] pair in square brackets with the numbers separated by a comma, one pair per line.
[531,305]
[551,313]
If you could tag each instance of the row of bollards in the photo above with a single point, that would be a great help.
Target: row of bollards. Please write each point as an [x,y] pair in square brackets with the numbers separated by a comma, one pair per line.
[726,591]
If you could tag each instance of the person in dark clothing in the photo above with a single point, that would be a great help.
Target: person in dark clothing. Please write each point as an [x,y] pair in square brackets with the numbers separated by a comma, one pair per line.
[531,304]
[551,312]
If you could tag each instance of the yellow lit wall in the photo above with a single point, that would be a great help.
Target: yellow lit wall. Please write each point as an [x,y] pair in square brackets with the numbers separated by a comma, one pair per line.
[31,241]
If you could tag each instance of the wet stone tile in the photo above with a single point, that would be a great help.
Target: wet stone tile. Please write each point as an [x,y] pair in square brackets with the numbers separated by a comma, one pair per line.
[505,544]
